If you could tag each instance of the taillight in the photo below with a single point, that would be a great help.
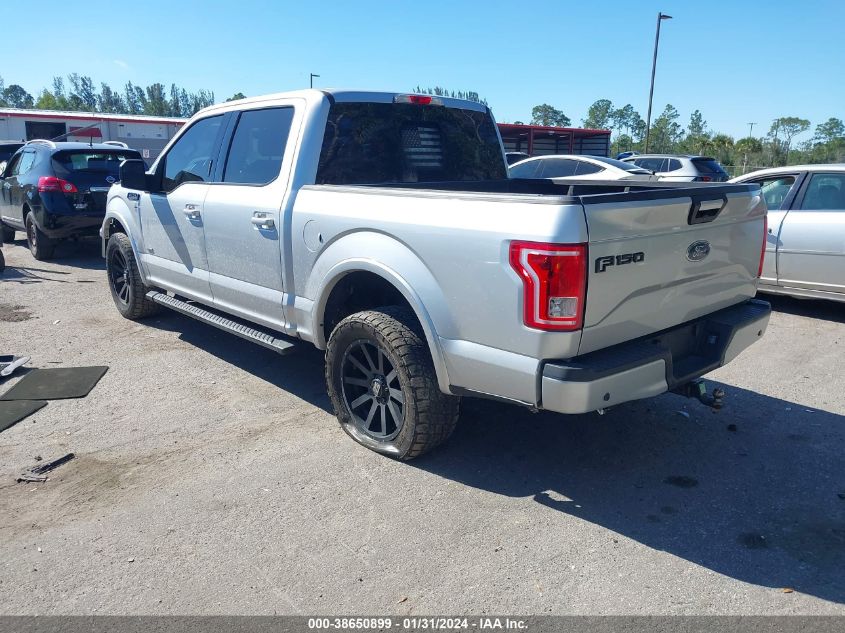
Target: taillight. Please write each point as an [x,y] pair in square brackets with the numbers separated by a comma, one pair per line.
[51,183]
[763,249]
[554,278]
[418,100]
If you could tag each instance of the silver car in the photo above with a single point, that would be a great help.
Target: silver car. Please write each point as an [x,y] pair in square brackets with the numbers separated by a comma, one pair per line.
[577,166]
[681,167]
[805,251]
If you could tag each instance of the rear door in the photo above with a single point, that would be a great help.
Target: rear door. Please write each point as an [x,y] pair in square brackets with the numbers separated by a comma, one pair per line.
[811,252]
[6,189]
[172,219]
[778,192]
[242,215]
[661,258]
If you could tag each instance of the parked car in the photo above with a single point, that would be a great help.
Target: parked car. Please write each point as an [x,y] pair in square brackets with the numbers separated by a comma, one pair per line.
[681,167]
[805,252]
[623,155]
[383,228]
[581,167]
[7,148]
[515,157]
[54,191]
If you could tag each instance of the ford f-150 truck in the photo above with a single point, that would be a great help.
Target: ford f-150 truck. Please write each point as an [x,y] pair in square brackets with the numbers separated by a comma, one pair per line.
[383,229]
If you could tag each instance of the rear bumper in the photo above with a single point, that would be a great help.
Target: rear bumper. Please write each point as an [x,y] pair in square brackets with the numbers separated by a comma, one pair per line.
[651,365]
[60,225]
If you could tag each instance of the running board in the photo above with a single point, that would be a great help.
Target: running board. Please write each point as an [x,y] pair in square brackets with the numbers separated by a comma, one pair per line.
[263,337]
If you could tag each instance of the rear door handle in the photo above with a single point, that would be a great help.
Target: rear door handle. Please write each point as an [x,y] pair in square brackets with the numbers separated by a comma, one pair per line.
[192,211]
[261,220]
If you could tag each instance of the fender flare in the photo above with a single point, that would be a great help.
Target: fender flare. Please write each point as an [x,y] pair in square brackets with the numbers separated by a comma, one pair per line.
[119,211]
[397,265]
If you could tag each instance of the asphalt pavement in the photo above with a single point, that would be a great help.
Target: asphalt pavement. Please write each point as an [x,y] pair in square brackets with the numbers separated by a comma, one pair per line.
[210,477]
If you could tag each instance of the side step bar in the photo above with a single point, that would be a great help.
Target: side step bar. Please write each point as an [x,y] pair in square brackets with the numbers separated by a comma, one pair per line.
[262,337]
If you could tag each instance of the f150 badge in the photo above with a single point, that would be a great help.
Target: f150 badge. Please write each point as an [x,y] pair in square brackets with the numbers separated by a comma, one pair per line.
[603,263]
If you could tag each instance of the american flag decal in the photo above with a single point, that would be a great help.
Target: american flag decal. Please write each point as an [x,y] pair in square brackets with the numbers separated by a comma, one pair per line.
[422,146]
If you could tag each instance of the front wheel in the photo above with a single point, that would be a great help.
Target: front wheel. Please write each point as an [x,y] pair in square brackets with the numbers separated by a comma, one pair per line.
[127,288]
[383,386]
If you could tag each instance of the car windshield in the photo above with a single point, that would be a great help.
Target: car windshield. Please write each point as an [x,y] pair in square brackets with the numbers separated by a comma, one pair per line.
[106,161]
[709,166]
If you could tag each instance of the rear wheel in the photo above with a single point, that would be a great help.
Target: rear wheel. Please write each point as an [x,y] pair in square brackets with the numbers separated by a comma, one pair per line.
[383,386]
[127,290]
[41,246]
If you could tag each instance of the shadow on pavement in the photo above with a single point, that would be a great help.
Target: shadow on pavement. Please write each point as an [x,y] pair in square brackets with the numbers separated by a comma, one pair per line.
[755,492]
[812,308]
[759,501]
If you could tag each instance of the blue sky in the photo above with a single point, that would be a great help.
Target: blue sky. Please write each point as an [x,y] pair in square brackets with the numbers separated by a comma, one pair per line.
[736,61]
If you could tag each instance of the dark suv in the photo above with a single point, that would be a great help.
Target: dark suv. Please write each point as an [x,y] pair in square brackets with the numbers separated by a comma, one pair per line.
[53,191]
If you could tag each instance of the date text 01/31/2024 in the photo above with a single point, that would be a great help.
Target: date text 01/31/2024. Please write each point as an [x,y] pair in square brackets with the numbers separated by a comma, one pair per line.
[418,623]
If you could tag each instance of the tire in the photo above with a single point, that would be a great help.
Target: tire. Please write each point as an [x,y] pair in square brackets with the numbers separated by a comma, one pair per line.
[8,234]
[382,384]
[2,262]
[127,290]
[41,246]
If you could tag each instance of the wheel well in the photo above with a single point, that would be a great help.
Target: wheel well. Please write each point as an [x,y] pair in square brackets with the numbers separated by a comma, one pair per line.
[359,291]
[114,226]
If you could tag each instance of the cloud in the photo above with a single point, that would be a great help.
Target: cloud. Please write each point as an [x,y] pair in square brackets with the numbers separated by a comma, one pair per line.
[122,64]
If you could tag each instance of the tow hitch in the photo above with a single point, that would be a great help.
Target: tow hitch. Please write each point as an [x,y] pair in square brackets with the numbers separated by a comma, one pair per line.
[698,389]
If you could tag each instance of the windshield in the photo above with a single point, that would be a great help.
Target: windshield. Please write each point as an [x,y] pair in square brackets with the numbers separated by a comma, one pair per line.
[378,143]
[100,161]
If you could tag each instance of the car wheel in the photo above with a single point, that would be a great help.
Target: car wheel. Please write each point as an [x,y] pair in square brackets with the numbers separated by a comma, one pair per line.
[383,386]
[127,290]
[2,262]
[41,246]
[8,233]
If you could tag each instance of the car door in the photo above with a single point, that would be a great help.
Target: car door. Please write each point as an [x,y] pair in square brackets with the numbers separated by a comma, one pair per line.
[9,177]
[243,213]
[778,191]
[173,251]
[811,251]
[13,188]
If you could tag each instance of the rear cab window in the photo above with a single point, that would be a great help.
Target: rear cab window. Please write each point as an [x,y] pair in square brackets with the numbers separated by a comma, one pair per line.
[383,143]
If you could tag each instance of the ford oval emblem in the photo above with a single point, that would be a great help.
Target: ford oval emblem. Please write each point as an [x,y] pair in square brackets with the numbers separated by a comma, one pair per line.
[698,250]
[110,179]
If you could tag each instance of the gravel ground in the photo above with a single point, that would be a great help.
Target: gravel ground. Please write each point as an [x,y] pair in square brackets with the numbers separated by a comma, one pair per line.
[210,477]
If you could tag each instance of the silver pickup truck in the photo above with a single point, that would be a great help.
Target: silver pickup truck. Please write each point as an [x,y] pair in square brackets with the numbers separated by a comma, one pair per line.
[383,229]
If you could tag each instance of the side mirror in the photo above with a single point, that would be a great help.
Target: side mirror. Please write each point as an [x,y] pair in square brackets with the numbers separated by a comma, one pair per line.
[133,174]
[3,169]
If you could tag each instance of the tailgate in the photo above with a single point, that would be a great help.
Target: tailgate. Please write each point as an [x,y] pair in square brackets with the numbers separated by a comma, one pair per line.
[661,258]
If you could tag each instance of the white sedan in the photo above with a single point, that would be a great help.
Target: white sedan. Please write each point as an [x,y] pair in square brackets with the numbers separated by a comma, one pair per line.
[578,167]
[805,248]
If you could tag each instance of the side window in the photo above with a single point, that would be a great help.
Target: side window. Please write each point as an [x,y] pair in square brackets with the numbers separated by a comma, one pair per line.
[189,160]
[585,168]
[525,170]
[674,165]
[12,167]
[24,164]
[258,146]
[825,193]
[652,164]
[558,168]
[775,189]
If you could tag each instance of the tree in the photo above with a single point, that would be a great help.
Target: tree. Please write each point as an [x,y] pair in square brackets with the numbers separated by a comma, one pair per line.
[666,131]
[47,101]
[789,127]
[599,115]
[831,130]
[236,96]
[623,118]
[16,97]
[109,101]
[547,115]
[697,125]
[131,99]
[438,91]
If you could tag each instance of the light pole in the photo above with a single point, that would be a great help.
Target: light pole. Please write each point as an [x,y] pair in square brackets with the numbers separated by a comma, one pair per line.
[751,128]
[312,79]
[660,18]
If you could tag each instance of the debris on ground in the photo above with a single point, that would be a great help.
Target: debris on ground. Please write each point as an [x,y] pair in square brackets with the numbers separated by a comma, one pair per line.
[683,413]
[787,590]
[9,363]
[36,473]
